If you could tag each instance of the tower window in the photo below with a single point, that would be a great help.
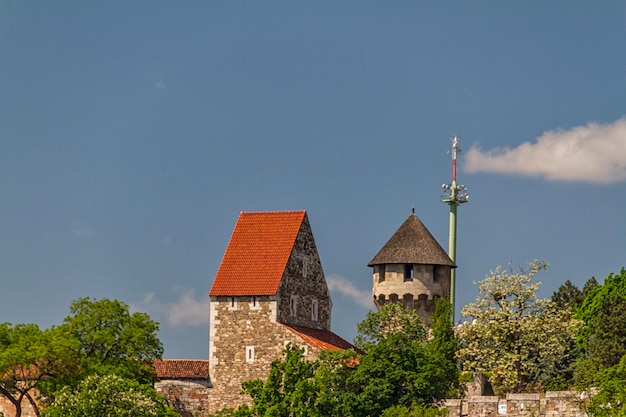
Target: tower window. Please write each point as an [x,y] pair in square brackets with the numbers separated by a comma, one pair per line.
[381,273]
[408,272]
[436,277]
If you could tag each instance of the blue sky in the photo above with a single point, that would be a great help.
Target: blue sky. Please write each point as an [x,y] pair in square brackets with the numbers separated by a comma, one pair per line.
[134,133]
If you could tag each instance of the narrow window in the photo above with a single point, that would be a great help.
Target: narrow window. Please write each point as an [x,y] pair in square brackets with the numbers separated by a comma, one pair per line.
[314,310]
[436,277]
[408,272]
[249,354]
[232,304]
[293,305]
[381,273]
[305,267]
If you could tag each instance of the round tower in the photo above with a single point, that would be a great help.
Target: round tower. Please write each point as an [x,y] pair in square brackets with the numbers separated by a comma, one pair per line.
[411,268]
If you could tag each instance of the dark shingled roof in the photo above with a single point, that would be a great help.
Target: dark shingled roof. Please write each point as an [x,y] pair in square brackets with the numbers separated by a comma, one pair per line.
[412,243]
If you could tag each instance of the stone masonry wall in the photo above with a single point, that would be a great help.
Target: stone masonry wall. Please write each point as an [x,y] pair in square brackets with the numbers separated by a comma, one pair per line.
[303,296]
[244,342]
[418,293]
[190,398]
[552,404]
[8,409]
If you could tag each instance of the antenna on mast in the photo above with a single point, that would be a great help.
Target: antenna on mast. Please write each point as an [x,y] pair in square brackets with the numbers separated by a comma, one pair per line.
[453,195]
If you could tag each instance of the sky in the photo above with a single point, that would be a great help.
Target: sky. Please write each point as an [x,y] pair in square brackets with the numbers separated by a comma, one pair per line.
[134,133]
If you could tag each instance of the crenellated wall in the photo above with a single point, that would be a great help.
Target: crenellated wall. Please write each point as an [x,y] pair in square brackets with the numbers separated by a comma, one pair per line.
[550,404]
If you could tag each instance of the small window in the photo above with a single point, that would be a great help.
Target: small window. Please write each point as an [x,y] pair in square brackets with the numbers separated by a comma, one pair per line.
[293,306]
[305,267]
[254,303]
[314,310]
[232,303]
[249,354]
[436,277]
[381,273]
[408,272]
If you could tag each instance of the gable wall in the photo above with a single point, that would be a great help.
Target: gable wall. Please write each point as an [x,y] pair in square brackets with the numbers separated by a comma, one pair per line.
[304,283]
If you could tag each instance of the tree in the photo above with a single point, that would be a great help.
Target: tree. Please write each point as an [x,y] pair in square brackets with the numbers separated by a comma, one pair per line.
[610,401]
[568,296]
[400,367]
[108,395]
[108,339]
[516,337]
[603,337]
[288,391]
[28,355]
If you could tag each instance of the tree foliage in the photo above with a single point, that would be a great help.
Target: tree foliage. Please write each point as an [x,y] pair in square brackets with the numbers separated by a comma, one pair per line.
[519,339]
[400,368]
[289,389]
[108,395]
[107,339]
[98,337]
[28,356]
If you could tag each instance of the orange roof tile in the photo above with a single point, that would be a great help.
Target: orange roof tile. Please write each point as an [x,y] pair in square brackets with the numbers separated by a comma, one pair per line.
[181,368]
[321,339]
[257,253]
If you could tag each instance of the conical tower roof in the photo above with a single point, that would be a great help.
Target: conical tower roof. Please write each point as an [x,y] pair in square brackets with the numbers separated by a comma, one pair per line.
[412,244]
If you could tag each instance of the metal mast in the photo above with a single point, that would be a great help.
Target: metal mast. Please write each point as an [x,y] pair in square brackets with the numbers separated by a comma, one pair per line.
[453,195]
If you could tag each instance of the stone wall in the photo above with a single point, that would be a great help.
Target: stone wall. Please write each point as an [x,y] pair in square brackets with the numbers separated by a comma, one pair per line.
[244,342]
[417,293]
[303,296]
[8,409]
[550,404]
[190,398]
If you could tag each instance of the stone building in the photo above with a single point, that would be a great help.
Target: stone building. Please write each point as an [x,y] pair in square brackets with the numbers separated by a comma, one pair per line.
[411,268]
[270,290]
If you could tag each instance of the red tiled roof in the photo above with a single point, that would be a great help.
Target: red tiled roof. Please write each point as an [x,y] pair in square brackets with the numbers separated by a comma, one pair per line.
[321,339]
[257,253]
[181,368]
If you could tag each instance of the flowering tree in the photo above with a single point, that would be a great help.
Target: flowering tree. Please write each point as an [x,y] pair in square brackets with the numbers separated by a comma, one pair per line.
[108,395]
[514,336]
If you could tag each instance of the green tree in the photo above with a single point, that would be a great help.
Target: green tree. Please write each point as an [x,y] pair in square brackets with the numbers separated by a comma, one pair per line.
[516,337]
[610,400]
[108,395]
[28,356]
[289,390]
[107,339]
[568,296]
[603,338]
[400,367]
[415,411]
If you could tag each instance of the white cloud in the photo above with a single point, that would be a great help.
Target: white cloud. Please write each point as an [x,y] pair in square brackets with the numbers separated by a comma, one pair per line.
[591,153]
[341,285]
[188,310]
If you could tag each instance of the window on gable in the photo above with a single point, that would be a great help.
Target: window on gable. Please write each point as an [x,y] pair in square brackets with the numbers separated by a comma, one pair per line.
[305,267]
[314,310]
[293,306]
